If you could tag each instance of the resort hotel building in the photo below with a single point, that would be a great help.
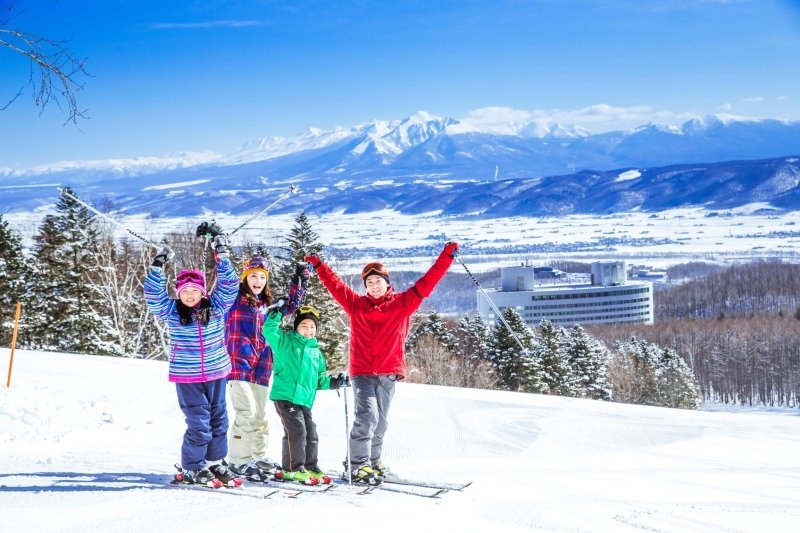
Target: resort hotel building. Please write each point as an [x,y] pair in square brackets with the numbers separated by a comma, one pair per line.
[605,297]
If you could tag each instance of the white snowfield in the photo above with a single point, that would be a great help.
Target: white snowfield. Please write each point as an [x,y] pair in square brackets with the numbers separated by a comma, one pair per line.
[88,444]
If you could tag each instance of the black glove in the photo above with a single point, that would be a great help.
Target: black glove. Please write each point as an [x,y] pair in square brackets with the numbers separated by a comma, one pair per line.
[281,306]
[163,256]
[301,272]
[211,229]
[339,380]
[221,247]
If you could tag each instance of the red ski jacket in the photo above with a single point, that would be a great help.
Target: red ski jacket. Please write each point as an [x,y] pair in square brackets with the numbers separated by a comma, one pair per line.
[378,327]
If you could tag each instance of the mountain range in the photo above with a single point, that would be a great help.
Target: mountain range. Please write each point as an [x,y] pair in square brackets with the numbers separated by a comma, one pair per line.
[425,163]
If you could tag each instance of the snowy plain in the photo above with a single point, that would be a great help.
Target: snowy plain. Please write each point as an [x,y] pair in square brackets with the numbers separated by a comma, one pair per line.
[657,240]
[88,445]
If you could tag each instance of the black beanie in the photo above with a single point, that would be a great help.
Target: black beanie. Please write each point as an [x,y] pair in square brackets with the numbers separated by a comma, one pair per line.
[299,317]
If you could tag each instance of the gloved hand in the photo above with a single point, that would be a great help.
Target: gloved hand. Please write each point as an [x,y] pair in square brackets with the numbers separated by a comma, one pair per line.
[281,306]
[451,249]
[211,229]
[339,380]
[221,250]
[314,260]
[301,272]
[163,257]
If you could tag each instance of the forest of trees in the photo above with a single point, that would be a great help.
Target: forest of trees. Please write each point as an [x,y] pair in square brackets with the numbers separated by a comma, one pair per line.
[723,334]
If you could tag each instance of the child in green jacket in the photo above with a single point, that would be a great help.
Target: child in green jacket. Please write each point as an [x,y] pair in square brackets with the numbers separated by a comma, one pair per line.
[299,371]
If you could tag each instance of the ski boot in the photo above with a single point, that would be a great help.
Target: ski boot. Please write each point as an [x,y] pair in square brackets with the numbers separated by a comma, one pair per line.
[266,465]
[361,474]
[381,470]
[250,472]
[323,478]
[301,475]
[225,475]
[197,477]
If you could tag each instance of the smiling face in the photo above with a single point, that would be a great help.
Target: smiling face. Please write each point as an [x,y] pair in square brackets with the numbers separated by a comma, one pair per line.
[190,296]
[257,280]
[376,285]
[307,328]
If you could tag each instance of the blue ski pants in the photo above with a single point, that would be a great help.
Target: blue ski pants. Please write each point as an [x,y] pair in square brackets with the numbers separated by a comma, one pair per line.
[205,439]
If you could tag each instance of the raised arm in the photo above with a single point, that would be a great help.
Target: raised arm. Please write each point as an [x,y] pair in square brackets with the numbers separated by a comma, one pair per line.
[155,294]
[155,285]
[412,298]
[344,295]
[297,291]
[272,331]
[227,288]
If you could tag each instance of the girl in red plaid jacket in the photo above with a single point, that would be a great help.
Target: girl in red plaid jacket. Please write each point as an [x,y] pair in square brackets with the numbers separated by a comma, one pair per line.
[251,360]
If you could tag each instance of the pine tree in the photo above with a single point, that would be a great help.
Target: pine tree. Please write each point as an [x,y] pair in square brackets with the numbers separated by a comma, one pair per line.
[333,333]
[555,369]
[67,310]
[677,386]
[435,326]
[474,337]
[14,271]
[516,368]
[588,358]
[632,372]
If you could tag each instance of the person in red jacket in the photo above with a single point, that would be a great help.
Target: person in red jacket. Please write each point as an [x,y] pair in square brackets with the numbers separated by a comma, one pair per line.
[379,323]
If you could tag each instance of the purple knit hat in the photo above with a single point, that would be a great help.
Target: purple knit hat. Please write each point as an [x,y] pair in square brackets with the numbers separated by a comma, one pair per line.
[190,278]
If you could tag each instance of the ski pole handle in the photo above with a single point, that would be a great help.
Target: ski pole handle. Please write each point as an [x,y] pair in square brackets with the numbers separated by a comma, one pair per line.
[276,305]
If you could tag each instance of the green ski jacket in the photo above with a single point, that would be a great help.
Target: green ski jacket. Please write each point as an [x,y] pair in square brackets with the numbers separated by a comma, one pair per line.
[299,366]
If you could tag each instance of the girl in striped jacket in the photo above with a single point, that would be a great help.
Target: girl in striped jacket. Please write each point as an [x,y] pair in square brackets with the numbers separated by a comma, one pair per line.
[199,363]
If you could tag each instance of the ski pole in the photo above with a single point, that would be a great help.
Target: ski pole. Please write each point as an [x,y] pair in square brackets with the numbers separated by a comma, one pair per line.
[491,303]
[347,435]
[106,217]
[292,190]
[13,343]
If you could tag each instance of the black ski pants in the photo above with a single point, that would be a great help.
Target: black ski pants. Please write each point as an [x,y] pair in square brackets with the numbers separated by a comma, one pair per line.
[300,439]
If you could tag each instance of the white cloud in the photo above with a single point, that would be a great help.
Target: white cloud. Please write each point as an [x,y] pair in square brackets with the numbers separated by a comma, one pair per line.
[596,118]
[753,99]
[782,97]
[727,106]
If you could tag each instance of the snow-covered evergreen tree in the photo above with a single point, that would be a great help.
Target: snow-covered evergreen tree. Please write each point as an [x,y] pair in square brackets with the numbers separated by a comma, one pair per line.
[632,372]
[334,331]
[677,386]
[516,368]
[14,271]
[434,325]
[66,300]
[473,339]
[649,374]
[555,369]
[589,359]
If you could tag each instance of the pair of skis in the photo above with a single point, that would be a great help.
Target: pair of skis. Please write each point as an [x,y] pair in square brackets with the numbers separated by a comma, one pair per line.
[413,487]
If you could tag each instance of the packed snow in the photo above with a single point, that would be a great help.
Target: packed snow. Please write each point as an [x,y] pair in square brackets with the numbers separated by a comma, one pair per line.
[89,444]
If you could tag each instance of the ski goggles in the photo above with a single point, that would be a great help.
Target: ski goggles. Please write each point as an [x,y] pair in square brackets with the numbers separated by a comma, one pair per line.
[374,268]
[307,309]
[257,262]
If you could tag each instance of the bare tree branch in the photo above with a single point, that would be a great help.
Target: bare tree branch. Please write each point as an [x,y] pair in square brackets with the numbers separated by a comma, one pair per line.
[54,71]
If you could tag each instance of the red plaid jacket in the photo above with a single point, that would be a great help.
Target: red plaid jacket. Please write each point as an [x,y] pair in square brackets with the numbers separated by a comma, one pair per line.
[251,356]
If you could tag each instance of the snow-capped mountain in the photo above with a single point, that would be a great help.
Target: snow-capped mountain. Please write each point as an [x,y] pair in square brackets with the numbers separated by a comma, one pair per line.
[410,164]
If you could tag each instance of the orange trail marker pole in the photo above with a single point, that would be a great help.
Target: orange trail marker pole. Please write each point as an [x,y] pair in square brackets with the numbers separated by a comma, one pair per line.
[13,343]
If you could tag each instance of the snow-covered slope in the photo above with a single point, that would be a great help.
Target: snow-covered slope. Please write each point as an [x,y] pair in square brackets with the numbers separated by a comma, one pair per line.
[88,443]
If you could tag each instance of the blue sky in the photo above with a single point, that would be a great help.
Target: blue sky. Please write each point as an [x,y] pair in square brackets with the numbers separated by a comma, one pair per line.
[190,76]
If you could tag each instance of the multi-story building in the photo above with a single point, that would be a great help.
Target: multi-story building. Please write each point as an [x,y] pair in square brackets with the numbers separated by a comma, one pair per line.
[607,296]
